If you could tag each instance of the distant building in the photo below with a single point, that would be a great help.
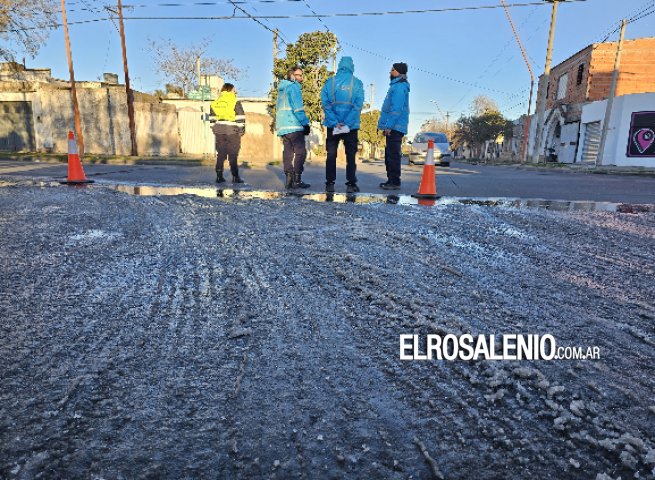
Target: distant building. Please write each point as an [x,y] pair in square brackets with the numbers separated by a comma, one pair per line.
[573,121]
[36,114]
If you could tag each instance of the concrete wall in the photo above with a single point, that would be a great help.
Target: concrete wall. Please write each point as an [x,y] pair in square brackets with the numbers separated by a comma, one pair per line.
[104,118]
[618,134]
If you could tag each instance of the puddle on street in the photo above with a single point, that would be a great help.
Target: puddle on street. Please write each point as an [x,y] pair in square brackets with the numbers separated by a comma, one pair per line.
[235,194]
[365,198]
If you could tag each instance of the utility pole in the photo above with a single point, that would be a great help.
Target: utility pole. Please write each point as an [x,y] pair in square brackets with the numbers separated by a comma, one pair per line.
[198,68]
[541,102]
[128,90]
[275,34]
[526,129]
[610,100]
[76,108]
[372,96]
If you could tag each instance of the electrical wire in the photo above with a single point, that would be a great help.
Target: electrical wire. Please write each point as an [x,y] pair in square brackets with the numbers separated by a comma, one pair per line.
[256,18]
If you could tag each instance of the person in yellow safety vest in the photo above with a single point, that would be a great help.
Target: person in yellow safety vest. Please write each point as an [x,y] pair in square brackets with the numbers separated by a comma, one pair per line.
[229,126]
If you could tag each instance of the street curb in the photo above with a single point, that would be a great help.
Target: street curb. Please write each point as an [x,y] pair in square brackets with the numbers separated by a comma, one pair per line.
[566,168]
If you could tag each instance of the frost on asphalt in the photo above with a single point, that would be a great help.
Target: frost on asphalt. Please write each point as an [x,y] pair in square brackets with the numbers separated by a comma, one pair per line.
[185,337]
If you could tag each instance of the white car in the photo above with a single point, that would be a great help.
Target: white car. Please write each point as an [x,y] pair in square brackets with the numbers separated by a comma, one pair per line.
[419,148]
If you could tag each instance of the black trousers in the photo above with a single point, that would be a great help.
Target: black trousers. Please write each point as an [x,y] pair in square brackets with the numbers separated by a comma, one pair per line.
[350,142]
[393,155]
[228,146]
[295,152]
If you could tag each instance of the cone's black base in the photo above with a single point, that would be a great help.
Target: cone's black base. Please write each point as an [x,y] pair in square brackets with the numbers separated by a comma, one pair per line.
[79,182]
[428,196]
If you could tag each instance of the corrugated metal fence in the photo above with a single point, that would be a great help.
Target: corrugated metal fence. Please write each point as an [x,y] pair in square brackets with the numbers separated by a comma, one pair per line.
[196,136]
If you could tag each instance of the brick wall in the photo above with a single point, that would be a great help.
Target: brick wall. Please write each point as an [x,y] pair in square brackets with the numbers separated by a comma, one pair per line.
[574,93]
[637,72]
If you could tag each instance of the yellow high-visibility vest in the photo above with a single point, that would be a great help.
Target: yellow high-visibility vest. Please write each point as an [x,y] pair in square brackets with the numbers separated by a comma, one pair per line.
[223,106]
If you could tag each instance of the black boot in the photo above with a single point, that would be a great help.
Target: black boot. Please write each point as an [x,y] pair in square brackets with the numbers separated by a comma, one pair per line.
[329,187]
[298,183]
[351,187]
[237,179]
[288,183]
[219,177]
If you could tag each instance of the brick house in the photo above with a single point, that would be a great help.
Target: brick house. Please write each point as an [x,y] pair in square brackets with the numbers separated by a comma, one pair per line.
[586,77]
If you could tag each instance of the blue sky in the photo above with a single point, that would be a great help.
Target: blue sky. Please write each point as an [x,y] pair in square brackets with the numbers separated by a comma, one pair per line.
[474,47]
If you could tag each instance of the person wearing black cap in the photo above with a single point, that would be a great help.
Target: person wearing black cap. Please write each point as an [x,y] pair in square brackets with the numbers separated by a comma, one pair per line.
[394,120]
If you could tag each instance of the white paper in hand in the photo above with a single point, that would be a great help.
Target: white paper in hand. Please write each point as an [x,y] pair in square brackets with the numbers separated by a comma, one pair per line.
[338,130]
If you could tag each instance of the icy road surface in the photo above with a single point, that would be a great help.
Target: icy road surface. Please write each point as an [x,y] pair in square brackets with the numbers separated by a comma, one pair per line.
[187,337]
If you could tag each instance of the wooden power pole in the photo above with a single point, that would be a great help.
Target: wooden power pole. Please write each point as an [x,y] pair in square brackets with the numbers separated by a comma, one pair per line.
[128,90]
[610,99]
[76,108]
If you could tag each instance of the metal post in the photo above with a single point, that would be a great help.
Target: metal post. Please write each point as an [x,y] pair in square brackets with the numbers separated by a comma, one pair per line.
[372,96]
[128,90]
[610,100]
[76,108]
[541,102]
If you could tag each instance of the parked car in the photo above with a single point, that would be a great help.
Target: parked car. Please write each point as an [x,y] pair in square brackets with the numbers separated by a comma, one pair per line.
[419,148]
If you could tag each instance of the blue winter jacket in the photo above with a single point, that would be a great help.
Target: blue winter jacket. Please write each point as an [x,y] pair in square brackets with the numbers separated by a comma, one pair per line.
[342,97]
[395,109]
[290,113]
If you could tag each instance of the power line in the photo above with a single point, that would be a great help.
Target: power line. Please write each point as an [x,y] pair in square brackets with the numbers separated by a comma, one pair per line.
[497,57]
[360,14]
[257,18]
[444,77]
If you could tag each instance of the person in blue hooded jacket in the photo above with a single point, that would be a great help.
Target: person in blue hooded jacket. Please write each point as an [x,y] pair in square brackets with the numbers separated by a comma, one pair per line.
[292,125]
[342,98]
[393,122]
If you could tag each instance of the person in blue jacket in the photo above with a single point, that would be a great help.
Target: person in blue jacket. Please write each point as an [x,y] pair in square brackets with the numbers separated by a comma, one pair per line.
[342,98]
[292,125]
[393,122]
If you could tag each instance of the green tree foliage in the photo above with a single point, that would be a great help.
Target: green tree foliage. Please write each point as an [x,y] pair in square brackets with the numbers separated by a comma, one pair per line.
[312,52]
[25,25]
[475,130]
[368,131]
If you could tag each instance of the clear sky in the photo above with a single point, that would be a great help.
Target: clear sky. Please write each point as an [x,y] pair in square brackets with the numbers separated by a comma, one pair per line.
[474,47]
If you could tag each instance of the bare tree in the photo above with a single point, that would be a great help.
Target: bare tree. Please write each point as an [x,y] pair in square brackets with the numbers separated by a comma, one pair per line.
[25,25]
[178,65]
[482,104]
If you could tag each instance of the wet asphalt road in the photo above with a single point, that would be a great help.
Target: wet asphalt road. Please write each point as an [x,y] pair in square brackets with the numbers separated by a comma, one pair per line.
[461,180]
[186,337]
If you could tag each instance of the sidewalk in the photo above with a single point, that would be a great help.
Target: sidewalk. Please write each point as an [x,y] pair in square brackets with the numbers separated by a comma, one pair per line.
[565,167]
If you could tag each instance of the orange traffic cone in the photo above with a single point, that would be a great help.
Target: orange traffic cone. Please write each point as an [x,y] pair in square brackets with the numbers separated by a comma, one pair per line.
[428,187]
[75,171]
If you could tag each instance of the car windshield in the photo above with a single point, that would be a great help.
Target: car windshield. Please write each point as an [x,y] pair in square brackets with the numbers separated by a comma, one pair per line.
[436,137]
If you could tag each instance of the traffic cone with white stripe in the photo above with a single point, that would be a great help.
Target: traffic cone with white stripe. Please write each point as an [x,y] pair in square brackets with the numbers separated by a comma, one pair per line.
[75,171]
[428,187]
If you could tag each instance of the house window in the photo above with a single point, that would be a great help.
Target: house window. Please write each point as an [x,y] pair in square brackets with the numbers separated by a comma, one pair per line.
[580,74]
[561,86]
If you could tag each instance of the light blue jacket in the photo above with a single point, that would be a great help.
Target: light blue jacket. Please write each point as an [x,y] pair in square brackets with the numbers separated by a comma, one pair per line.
[342,97]
[395,109]
[290,113]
